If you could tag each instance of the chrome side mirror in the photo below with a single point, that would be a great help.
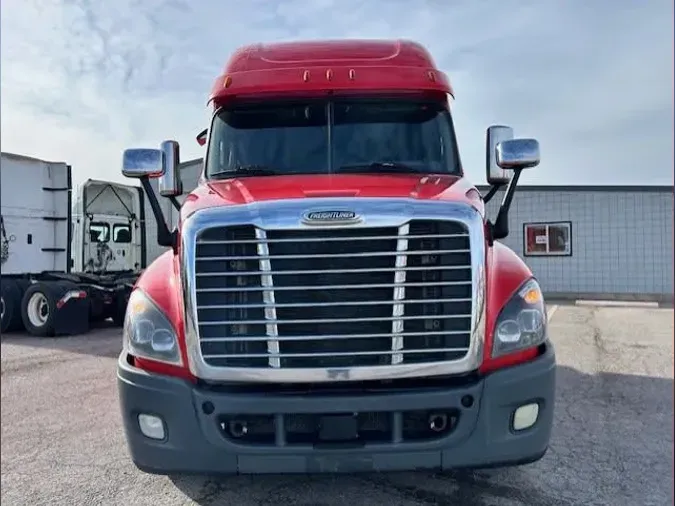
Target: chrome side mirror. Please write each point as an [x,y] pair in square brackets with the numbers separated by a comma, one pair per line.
[137,163]
[170,184]
[518,154]
[495,174]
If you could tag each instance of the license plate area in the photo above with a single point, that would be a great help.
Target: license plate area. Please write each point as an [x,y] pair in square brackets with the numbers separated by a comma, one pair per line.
[338,428]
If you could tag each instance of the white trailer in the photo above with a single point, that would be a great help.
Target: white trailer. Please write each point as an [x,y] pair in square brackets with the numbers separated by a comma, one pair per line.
[41,290]
[65,266]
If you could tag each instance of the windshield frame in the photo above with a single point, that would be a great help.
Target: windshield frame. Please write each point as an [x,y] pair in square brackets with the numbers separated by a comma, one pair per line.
[330,102]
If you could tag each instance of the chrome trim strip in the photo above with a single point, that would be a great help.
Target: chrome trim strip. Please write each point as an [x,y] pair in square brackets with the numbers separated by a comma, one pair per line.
[287,214]
[267,282]
[399,294]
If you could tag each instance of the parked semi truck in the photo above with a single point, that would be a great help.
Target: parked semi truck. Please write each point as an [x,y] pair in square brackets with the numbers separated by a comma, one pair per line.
[335,298]
[67,264]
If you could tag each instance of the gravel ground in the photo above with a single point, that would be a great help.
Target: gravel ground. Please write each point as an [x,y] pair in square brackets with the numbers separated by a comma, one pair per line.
[62,440]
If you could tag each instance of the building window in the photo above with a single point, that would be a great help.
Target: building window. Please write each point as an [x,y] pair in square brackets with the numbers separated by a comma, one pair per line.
[548,239]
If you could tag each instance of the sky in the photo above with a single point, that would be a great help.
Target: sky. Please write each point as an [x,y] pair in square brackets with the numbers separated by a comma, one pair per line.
[81,80]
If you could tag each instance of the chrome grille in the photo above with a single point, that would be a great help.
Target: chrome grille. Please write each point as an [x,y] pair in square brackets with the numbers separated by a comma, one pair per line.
[334,298]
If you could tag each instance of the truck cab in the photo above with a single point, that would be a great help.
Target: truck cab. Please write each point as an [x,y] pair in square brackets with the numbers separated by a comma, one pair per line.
[108,236]
[335,298]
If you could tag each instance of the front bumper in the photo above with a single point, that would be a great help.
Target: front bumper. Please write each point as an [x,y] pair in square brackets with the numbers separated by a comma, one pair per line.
[194,443]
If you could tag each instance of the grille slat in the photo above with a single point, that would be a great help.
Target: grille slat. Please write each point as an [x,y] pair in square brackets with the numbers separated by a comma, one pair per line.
[333,287]
[337,353]
[335,255]
[332,271]
[342,303]
[324,239]
[328,320]
[338,297]
[328,336]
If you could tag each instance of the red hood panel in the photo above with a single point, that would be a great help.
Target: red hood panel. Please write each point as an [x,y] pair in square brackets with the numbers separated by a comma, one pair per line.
[255,189]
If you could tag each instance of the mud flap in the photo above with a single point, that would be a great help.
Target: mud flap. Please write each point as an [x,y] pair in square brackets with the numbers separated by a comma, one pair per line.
[72,318]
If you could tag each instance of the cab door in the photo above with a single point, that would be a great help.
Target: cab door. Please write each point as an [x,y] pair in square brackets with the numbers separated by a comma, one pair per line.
[122,245]
[96,254]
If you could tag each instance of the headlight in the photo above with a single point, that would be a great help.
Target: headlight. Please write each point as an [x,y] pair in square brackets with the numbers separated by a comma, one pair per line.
[147,332]
[522,322]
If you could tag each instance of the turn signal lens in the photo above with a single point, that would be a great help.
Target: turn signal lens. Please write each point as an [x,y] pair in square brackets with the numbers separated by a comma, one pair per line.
[532,295]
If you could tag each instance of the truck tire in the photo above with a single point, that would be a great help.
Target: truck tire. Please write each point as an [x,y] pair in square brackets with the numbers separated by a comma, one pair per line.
[120,307]
[23,285]
[10,306]
[38,307]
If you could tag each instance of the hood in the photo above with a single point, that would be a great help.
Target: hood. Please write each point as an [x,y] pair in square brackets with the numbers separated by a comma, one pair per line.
[255,189]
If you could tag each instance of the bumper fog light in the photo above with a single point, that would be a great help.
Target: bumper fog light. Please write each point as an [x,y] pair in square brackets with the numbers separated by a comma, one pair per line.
[151,426]
[525,416]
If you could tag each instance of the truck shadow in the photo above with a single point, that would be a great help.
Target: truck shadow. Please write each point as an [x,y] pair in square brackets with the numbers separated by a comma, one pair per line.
[612,443]
[103,340]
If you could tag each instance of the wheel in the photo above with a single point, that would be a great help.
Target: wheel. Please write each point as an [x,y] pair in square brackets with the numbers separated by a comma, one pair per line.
[38,307]
[10,306]
[22,285]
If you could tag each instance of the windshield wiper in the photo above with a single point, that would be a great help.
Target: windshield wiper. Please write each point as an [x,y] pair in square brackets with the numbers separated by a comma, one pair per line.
[245,170]
[384,167]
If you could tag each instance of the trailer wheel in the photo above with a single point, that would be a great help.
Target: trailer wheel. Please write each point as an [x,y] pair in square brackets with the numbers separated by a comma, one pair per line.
[10,306]
[38,307]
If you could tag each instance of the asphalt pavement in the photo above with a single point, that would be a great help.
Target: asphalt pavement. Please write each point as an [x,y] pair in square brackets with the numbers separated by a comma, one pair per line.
[62,440]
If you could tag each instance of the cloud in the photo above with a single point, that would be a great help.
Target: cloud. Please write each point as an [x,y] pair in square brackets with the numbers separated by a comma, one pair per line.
[83,79]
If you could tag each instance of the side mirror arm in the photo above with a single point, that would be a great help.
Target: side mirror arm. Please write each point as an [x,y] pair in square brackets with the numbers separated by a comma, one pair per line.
[165,237]
[492,192]
[174,203]
[500,228]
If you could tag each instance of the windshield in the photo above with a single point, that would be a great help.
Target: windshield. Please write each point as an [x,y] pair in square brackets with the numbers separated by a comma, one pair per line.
[321,137]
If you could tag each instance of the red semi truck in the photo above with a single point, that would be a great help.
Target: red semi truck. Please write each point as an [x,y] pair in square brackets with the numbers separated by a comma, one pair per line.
[335,299]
